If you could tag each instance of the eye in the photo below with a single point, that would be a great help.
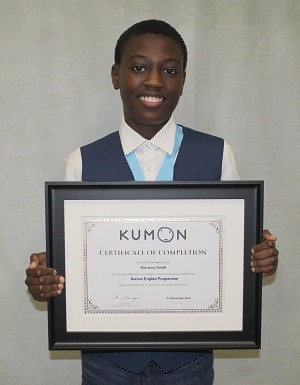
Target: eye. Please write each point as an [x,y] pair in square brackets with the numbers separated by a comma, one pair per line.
[138,69]
[170,71]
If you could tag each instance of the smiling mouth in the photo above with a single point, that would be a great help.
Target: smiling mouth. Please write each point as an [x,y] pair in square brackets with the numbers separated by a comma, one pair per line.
[151,99]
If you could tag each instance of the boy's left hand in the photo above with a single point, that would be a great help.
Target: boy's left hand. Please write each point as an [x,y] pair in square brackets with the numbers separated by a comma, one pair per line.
[265,255]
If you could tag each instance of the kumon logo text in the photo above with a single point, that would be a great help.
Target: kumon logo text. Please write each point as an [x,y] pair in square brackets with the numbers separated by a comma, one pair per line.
[164,234]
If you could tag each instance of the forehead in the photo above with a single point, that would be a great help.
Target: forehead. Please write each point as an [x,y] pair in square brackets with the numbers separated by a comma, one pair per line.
[152,46]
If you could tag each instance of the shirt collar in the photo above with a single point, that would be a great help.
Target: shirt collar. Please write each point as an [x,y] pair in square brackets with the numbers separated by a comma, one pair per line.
[164,139]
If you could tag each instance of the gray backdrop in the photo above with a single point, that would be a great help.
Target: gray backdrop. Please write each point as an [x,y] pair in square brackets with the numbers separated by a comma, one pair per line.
[55,95]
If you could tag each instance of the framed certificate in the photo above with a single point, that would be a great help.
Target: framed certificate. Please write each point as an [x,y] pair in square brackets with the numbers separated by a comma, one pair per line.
[154,266]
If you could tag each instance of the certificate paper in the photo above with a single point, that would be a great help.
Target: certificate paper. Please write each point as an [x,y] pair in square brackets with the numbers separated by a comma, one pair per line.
[153,264]
[139,258]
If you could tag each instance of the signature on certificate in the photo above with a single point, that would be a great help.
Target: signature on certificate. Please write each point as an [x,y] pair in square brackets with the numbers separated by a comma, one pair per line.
[125,298]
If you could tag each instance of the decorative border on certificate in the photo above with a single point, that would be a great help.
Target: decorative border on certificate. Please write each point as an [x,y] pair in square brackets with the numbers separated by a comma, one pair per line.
[153,265]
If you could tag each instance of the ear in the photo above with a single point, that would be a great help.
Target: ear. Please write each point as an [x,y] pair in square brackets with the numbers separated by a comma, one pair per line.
[183,81]
[115,76]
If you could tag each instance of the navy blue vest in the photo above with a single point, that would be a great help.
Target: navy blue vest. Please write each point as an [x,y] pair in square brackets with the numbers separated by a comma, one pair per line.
[199,159]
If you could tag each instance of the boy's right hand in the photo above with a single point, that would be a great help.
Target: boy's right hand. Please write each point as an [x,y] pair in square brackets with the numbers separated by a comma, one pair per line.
[43,282]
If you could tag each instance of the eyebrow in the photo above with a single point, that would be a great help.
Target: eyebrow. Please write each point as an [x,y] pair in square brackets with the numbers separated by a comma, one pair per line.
[147,58]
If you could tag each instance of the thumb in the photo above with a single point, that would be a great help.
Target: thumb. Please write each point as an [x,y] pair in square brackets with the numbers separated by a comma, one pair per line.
[268,236]
[37,259]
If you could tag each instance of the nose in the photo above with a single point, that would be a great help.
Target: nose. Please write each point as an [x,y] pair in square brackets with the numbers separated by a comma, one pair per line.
[154,79]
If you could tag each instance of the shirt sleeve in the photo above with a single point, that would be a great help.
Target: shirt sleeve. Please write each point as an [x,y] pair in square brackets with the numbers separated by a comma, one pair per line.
[229,170]
[73,167]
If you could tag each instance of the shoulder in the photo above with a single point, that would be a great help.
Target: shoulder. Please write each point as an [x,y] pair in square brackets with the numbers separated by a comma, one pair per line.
[229,169]
[198,135]
[105,141]
[73,162]
[197,140]
[73,166]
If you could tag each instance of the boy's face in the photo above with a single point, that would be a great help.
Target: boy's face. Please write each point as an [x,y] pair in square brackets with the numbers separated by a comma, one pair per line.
[150,78]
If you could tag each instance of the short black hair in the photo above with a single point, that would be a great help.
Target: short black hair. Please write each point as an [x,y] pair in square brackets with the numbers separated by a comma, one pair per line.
[152,26]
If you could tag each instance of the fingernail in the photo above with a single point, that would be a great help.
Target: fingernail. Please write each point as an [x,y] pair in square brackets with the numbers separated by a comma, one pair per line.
[60,286]
[58,292]
[252,251]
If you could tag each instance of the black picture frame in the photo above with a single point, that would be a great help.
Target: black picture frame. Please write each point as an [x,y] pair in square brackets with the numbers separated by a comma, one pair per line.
[251,192]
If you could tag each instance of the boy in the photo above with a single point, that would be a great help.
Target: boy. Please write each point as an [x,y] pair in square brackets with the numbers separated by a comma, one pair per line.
[149,71]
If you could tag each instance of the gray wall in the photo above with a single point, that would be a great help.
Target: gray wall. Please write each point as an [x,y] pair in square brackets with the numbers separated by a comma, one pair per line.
[55,95]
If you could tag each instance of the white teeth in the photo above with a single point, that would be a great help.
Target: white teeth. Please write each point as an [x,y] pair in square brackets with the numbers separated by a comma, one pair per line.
[150,99]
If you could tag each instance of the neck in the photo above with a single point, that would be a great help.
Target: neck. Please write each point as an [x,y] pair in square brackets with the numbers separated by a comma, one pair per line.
[147,131]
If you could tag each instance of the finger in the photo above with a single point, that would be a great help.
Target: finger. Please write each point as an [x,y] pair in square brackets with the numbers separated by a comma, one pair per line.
[44,280]
[42,297]
[43,290]
[264,263]
[268,236]
[265,253]
[269,270]
[40,271]
[45,287]
[37,259]
[263,246]
[268,266]
[266,271]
